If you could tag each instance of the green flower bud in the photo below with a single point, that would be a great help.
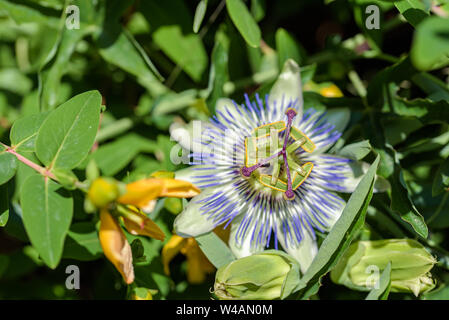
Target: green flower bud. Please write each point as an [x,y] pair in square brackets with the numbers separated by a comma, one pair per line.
[103,191]
[263,276]
[362,263]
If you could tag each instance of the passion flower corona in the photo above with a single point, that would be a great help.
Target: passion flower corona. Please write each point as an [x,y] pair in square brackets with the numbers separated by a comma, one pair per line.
[262,167]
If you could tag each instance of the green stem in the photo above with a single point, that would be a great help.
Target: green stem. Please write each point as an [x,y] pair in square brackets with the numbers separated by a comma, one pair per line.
[41,170]
[357,82]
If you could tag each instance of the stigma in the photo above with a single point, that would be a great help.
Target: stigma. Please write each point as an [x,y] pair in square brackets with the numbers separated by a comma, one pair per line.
[274,162]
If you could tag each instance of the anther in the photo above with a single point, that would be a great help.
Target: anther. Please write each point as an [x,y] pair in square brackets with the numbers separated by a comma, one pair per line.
[295,145]
[246,172]
[289,195]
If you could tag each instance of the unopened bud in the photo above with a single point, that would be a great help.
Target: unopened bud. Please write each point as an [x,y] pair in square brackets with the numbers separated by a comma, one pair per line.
[267,275]
[103,191]
[410,265]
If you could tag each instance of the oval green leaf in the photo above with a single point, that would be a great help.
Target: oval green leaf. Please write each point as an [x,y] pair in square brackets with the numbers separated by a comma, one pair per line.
[8,165]
[68,133]
[47,211]
[199,15]
[430,48]
[341,234]
[215,249]
[244,22]
[24,131]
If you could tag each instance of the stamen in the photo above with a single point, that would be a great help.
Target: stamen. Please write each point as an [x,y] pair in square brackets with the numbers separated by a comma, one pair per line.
[291,114]
[275,173]
[295,145]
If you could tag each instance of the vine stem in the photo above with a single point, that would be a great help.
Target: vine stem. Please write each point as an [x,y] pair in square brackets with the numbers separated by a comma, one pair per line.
[41,170]
[357,82]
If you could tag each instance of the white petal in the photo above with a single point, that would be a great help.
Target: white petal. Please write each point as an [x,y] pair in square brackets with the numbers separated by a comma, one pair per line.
[304,252]
[243,248]
[339,117]
[190,222]
[186,174]
[288,87]
[225,105]
[352,172]
[356,173]
[189,135]
[321,206]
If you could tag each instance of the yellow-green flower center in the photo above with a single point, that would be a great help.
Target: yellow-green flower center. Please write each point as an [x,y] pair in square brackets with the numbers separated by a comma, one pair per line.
[274,162]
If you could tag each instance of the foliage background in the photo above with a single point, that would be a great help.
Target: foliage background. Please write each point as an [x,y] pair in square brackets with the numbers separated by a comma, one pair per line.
[156,62]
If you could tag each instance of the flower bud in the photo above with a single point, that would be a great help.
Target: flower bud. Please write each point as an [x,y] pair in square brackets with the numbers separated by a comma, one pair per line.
[362,263]
[263,276]
[330,90]
[103,191]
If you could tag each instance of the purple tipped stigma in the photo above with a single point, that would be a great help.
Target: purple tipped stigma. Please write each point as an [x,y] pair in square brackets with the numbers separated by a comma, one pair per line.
[247,171]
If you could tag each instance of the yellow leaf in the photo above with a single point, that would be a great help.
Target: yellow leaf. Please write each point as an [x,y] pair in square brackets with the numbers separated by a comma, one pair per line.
[331,91]
[179,189]
[141,192]
[170,250]
[198,266]
[145,227]
[115,246]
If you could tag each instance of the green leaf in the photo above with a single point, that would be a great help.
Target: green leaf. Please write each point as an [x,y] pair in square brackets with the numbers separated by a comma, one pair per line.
[441,180]
[244,22]
[175,45]
[433,86]
[288,48]
[24,131]
[402,204]
[430,47]
[173,101]
[215,249]
[8,165]
[427,111]
[258,8]
[15,81]
[218,75]
[55,64]
[378,90]
[114,156]
[82,242]
[384,283]
[199,15]
[47,211]
[68,133]
[342,233]
[119,48]
[4,205]
[413,11]
[23,14]
[356,151]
